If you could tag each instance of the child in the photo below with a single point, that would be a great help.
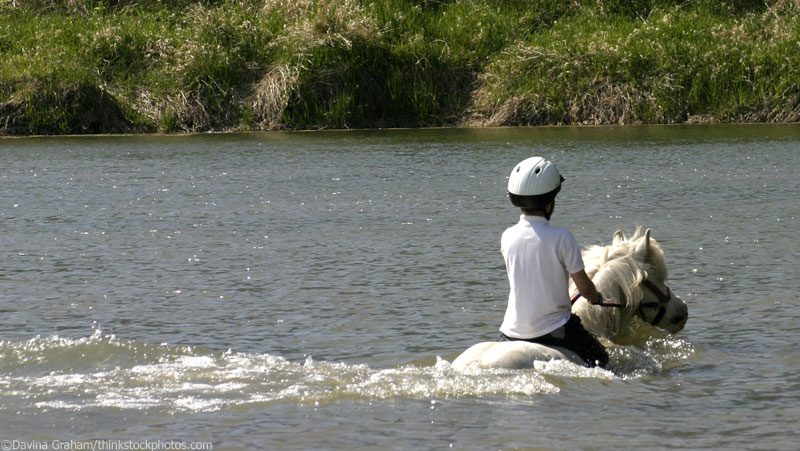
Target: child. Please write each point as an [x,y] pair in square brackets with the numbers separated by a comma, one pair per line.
[540,258]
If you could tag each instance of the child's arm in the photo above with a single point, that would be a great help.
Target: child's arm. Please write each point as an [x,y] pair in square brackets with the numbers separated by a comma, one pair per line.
[586,287]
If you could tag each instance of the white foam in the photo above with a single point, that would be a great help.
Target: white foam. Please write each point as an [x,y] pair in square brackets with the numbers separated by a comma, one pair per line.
[196,380]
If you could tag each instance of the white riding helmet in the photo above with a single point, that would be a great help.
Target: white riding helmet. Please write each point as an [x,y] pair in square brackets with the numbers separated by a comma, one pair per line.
[534,177]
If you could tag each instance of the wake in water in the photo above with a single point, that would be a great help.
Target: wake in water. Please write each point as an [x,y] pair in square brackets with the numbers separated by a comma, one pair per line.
[103,371]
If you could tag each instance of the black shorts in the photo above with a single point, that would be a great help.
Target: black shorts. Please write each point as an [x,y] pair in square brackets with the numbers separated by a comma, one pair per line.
[576,339]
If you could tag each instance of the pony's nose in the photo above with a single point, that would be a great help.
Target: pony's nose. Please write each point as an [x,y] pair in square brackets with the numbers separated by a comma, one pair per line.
[678,320]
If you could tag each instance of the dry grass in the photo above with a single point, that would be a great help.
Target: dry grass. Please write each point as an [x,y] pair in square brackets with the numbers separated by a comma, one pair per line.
[605,103]
[271,96]
[313,23]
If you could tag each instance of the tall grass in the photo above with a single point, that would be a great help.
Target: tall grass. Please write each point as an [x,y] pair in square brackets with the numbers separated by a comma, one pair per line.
[677,64]
[99,66]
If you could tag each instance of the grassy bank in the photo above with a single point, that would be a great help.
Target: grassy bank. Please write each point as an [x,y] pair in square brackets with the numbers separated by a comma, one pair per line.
[100,66]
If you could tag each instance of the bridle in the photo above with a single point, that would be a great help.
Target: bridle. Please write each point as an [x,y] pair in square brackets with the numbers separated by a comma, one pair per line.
[661,305]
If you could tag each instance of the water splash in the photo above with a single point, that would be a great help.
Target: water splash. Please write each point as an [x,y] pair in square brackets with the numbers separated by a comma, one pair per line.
[102,371]
[657,355]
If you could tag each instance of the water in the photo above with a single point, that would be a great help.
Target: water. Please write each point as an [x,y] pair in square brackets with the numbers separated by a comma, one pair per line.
[308,290]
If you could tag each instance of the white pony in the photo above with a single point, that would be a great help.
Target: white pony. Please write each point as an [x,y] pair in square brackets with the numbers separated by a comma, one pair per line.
[631,274]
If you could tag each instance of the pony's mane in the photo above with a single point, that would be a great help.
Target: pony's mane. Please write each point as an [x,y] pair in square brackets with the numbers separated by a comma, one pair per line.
[617,271]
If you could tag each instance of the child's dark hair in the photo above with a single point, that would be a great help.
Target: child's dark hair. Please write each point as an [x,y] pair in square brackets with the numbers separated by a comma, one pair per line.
[534,203]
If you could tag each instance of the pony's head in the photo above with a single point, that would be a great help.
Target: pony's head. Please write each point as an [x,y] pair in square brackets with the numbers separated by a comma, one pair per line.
[630,272]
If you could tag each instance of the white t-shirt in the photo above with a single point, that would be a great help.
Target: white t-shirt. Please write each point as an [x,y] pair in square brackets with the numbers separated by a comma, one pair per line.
[539,260]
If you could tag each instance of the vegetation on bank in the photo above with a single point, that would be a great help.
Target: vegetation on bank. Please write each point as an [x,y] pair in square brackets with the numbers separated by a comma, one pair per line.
[110,66]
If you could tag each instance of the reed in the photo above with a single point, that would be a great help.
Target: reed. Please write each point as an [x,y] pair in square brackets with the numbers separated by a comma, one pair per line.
[100,66]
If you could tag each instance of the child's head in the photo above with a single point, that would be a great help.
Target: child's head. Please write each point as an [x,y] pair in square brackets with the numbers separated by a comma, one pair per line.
[533,186]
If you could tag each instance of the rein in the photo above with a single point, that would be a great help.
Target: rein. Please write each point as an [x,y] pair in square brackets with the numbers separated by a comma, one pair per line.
[602,304]
[661,305]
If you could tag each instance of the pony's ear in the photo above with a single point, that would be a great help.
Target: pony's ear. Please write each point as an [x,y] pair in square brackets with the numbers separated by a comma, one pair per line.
[643,247]
[619,236]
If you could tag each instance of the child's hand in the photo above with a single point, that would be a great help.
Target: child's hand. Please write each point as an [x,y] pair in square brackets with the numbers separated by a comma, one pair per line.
[597,300]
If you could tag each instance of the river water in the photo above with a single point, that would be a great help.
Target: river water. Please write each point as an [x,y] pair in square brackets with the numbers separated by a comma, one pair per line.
[308,290]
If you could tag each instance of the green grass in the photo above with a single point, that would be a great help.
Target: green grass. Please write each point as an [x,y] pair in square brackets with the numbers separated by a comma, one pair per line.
[102,66]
